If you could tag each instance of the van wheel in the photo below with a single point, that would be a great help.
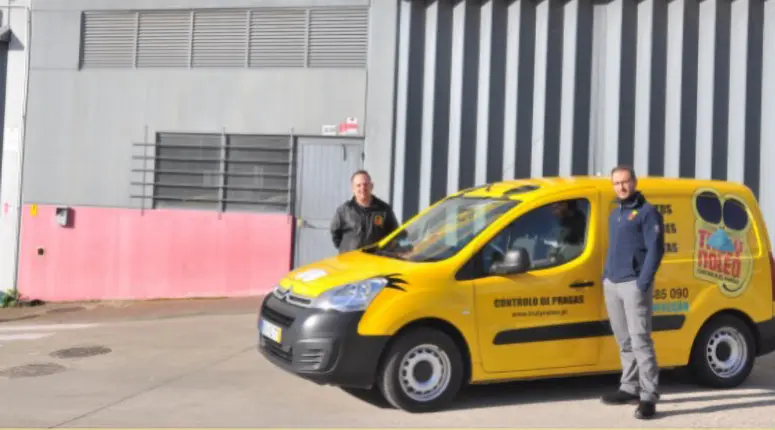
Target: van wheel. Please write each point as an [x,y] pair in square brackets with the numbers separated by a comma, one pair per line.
[724,353]
[422,371]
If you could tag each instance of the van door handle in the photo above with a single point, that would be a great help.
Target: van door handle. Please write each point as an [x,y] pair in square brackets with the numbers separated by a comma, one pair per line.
[582,284]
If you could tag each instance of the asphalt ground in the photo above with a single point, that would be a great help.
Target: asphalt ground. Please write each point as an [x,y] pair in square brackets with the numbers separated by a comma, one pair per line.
[194,363]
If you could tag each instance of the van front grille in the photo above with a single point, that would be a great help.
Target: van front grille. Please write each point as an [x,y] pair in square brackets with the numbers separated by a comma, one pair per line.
[312,358]
[276,350]
[276,317]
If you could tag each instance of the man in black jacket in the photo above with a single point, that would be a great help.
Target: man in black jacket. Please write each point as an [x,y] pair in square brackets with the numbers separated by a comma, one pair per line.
[362,220]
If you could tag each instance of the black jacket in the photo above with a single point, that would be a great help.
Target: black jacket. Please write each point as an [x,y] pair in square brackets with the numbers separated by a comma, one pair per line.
[354,227]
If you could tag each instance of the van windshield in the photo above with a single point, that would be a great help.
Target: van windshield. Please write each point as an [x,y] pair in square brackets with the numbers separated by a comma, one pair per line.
[444,230]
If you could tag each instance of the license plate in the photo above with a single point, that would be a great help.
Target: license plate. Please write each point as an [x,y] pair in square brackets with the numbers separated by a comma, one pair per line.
[271,331]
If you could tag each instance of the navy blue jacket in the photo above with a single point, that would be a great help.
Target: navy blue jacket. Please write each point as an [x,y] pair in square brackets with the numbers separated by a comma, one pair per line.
[636,242]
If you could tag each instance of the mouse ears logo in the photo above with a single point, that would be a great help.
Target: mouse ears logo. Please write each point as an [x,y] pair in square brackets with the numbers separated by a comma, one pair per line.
[722,254]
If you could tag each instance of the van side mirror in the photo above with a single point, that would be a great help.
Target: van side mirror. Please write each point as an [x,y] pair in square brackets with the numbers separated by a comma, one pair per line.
[515,261]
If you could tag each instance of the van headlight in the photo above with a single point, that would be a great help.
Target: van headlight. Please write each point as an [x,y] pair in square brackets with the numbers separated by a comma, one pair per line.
[355,296]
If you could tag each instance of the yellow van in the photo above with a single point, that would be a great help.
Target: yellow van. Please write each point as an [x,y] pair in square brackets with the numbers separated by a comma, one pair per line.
[480,288]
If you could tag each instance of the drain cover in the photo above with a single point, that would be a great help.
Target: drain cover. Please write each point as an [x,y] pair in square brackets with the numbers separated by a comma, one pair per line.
[32,370]
[80,352]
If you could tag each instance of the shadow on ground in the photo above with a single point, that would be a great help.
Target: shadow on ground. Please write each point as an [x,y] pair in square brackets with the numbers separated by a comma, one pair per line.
[17,318]
[592,387]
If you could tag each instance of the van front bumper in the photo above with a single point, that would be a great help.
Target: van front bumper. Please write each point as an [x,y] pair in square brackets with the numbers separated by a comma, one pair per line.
[766,337]
[321,346]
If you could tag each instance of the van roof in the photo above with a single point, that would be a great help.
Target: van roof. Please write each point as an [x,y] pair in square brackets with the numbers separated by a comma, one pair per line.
[530,188]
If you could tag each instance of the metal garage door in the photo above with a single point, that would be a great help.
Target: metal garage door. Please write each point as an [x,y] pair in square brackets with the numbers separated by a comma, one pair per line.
[325,165]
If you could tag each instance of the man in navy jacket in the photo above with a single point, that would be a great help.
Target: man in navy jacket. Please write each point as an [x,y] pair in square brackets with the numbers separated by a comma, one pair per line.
[635,249]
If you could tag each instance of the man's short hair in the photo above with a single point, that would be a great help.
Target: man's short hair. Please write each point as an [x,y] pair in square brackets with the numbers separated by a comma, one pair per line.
[360,172]
[624,168]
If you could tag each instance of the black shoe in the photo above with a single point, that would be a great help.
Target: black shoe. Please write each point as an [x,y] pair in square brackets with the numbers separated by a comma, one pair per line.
[619,398]
[645,410]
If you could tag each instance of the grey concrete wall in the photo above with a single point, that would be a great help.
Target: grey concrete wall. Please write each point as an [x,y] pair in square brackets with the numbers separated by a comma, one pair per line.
[82,122]
[502,89]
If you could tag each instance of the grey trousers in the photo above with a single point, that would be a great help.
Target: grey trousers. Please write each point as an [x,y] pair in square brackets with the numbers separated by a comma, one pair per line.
[630,311]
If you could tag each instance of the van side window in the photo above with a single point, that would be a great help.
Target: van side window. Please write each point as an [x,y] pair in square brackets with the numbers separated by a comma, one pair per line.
[552,234]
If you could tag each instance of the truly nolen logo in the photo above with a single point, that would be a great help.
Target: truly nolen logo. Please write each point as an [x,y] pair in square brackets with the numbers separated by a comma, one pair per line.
[722,252]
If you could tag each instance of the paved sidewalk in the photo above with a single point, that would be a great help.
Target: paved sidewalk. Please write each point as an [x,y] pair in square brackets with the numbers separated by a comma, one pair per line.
[130,310]
[193,363]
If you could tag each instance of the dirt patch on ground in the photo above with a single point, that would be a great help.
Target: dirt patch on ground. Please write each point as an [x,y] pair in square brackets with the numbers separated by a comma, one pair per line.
[81,352]
[32,370]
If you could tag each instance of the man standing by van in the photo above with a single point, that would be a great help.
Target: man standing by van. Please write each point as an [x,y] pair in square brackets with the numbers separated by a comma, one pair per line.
[635,249]
[362,220]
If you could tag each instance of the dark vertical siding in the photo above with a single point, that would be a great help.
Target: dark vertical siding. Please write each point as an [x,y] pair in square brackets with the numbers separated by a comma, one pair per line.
[536,101]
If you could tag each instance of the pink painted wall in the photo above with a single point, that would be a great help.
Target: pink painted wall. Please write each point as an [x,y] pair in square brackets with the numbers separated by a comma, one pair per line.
[117,254]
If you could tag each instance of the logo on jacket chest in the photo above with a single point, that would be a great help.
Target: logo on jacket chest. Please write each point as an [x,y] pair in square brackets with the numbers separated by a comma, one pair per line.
[379,220]
[628,220]
[630,216]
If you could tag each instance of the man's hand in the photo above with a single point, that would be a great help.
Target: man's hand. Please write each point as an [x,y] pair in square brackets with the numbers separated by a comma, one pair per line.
[654,237]
[337,226]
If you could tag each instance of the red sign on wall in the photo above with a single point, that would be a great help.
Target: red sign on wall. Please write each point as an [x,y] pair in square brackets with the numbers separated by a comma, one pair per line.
[349,127]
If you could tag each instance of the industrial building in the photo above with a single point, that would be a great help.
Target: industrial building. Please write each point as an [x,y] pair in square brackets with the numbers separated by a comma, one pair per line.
[198,148]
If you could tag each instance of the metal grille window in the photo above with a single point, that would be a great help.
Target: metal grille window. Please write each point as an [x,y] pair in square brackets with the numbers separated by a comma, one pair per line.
[338,38]
[108,39]
[163,39]
[278,38]
[258,169]
[333,37]
[219,39]
[221,172]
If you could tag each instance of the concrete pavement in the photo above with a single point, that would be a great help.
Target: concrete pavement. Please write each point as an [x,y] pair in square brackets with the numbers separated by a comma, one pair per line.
[194,364]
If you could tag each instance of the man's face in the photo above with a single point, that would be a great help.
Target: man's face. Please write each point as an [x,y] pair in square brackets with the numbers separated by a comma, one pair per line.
[362,187]
[624,185]
[560,209]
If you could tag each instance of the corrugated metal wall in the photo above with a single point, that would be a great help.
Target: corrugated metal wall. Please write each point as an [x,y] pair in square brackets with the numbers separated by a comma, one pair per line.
[502,89]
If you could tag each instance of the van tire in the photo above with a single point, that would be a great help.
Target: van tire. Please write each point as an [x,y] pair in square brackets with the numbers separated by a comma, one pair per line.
[430,347]
[718,343]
